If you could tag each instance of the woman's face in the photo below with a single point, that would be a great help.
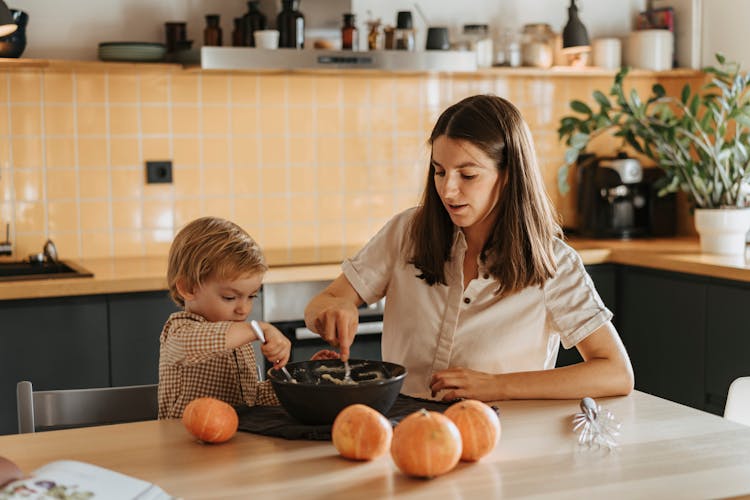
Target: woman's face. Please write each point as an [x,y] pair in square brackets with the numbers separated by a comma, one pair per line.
[467,181]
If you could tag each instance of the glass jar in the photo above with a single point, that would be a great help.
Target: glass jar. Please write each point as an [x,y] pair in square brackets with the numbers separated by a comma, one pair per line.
[478,40]
[537,46]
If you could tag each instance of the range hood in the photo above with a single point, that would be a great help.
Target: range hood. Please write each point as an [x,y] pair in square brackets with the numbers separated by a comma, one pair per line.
[228,58]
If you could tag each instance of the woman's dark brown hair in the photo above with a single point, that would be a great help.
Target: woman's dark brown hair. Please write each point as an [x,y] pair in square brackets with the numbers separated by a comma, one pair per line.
[519,250]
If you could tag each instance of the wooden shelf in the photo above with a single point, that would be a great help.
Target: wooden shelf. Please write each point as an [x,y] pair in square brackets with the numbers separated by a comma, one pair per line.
[166,67]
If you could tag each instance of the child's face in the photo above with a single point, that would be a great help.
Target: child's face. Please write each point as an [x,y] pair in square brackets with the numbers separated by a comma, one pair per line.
[224,300]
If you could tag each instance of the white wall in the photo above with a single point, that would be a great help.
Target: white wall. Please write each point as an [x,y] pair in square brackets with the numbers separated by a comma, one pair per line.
[725,30]
[73,29]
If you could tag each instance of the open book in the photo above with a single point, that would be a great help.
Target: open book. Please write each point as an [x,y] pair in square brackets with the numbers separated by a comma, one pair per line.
[71,480]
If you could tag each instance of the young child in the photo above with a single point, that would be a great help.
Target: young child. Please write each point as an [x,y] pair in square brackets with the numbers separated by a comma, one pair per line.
[215,271]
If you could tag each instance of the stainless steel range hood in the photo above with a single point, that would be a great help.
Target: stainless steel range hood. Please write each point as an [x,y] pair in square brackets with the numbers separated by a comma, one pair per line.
[388,60]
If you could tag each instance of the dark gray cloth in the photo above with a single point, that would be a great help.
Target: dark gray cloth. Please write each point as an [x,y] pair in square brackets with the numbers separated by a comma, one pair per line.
[275,421]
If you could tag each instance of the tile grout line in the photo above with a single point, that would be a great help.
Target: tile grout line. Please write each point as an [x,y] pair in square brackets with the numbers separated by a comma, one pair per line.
[76,166]
[10,173]
[230,151]
[108,145]
[170,139]
[288,167]
[44,155]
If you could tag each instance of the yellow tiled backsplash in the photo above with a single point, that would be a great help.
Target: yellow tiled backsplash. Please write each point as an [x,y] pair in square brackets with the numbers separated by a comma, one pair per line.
[310,164]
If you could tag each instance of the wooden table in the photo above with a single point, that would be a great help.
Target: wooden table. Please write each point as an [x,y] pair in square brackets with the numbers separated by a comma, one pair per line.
[666,451]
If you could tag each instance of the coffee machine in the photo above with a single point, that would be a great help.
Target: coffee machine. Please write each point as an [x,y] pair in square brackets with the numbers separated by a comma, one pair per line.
[616,199]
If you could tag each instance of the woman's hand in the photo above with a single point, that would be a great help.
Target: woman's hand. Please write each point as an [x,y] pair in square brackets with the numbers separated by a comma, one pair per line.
[337,325]
[277,347]
[333,315]
[464,383]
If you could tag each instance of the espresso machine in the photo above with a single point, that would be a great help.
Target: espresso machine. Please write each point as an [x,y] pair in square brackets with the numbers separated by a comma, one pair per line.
[613,198]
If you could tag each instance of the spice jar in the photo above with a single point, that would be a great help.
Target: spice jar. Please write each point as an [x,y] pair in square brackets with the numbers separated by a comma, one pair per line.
[349,33]
[238,33]
[537,46]
[212,33]
[479,41]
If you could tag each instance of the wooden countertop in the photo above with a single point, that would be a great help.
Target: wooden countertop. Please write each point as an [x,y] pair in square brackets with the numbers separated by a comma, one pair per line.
[666,451]
[142,274]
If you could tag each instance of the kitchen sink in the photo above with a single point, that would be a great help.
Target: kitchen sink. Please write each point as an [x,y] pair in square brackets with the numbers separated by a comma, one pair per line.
[23,270]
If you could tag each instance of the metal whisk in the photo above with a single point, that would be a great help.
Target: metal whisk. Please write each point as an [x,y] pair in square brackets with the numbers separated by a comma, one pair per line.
[596,427]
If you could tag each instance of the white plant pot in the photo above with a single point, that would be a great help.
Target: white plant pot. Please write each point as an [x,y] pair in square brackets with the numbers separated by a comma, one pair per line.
[722,230]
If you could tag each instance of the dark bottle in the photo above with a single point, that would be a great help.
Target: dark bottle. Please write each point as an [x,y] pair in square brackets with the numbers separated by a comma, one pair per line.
[349,33]
[291,25]
[238,33]
[212,33]
[253,21]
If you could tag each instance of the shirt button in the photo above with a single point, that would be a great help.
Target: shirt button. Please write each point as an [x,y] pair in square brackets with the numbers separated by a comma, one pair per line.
[467,300]
[486,276]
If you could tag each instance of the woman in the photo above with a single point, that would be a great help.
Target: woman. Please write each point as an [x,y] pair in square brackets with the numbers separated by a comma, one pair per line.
[480,289]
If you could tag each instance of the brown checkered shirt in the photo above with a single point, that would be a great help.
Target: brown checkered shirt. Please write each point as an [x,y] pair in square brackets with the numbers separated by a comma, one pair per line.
[194,363]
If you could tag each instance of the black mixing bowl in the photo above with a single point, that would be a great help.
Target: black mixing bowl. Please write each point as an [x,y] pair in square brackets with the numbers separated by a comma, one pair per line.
[318,392]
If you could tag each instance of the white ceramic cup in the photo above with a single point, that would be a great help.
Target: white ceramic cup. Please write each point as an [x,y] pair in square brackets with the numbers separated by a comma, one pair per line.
[607,53]
[650,49]
[266,39]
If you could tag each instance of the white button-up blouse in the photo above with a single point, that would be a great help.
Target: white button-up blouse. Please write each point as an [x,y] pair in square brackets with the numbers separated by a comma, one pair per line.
[430,328]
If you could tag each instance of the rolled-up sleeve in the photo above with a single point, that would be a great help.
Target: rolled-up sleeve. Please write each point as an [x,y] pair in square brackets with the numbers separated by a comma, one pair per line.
[370,270]
[193,342]
[574,308]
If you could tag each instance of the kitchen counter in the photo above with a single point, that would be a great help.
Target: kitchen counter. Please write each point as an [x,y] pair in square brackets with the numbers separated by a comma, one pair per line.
[142,274]
[666,451]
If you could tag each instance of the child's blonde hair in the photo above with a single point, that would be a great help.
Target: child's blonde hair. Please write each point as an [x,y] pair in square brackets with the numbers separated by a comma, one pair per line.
[211,247]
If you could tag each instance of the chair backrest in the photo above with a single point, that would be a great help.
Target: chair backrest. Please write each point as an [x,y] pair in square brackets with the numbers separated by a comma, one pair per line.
[47,410]
[738,401]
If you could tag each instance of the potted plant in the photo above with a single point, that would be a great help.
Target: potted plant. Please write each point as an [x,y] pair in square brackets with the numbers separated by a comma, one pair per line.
[700,139]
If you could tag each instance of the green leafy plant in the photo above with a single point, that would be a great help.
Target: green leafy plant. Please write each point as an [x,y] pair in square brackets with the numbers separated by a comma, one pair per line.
[700,139]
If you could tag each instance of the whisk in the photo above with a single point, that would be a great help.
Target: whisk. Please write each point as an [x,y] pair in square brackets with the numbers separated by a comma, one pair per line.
[596,427]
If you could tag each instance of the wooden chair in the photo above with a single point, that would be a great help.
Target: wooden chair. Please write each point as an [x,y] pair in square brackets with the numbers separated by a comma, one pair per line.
[48,410]
[738,401]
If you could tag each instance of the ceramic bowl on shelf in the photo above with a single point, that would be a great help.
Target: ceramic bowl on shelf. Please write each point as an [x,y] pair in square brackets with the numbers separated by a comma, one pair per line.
[132,51]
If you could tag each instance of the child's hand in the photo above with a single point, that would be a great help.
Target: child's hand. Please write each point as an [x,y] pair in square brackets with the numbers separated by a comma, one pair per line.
[277,347]
[325,354]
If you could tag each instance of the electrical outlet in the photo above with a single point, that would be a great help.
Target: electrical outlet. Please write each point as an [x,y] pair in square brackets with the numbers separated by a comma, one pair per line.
[159,172]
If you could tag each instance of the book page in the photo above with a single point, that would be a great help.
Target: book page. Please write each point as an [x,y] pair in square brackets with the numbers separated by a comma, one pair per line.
[71,480]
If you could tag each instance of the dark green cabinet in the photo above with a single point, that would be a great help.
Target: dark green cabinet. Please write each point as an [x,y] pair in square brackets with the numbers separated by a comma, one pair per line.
[662,320]
[135,323]
[687,336]
[58,343]
[727,339]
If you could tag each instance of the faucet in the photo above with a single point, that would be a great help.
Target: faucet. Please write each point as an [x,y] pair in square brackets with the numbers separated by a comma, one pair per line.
[5,246]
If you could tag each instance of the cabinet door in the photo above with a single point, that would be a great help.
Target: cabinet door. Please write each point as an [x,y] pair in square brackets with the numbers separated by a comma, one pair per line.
[662,323]
[56,343]
[604,277]
[135,323]
[727,340]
